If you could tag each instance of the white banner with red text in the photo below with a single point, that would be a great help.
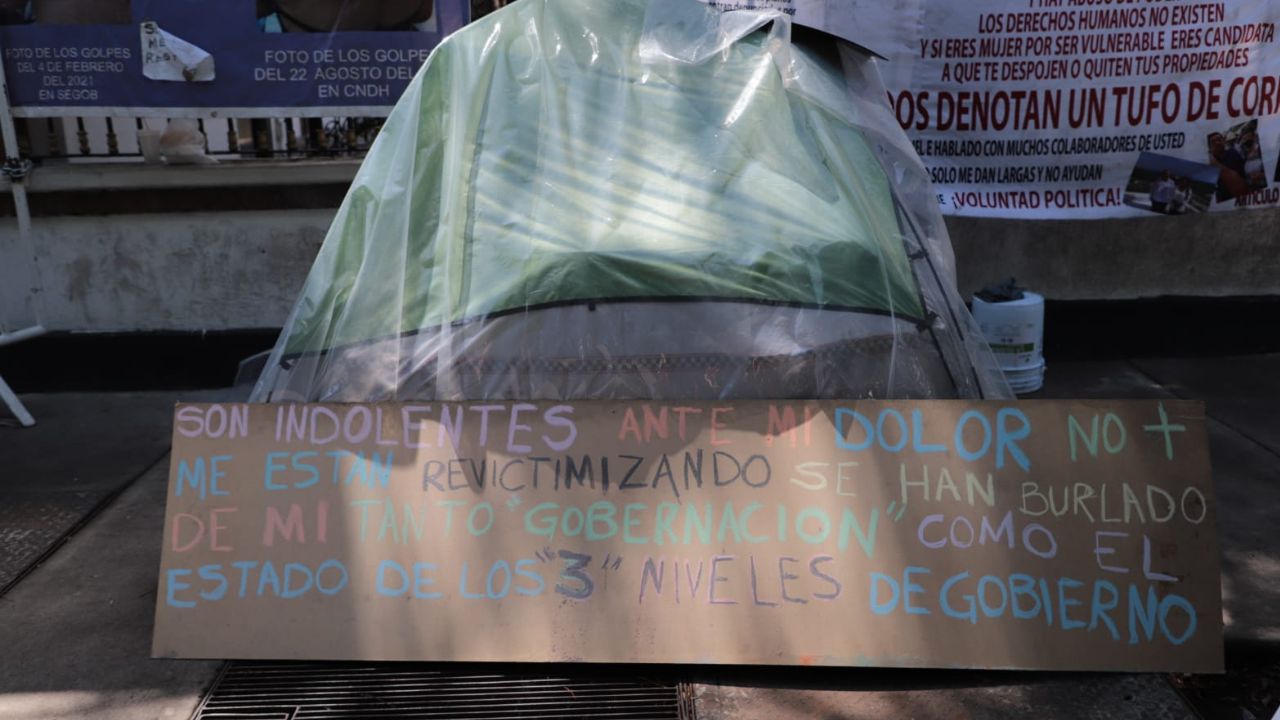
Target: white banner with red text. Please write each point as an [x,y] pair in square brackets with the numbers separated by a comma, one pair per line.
[1071,109]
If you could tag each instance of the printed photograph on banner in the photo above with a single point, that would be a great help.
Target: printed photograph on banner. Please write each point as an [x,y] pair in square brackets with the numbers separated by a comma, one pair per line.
[64,12]
[1170,186]
[326,16]
[1237,154]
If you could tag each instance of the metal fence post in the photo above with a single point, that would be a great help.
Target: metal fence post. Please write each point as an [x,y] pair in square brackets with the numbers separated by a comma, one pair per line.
[16,168]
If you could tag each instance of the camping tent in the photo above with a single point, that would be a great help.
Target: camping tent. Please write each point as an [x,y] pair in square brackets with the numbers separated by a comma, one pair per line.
[635,199]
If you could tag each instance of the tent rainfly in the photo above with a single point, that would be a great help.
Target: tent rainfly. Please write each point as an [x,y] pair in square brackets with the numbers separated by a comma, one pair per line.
[577,199]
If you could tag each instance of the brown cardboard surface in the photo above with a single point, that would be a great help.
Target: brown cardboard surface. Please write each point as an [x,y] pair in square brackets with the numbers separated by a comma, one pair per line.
[1048,534]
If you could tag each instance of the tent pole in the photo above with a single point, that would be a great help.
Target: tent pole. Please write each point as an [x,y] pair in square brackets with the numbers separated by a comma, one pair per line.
[954,365]
[16,168]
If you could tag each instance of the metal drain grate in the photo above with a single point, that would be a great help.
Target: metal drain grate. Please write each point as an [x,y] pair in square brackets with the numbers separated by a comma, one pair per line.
[33,524]
[313,691]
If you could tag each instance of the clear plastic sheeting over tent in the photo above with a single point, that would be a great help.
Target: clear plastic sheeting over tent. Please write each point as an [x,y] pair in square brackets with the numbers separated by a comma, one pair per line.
[635,199]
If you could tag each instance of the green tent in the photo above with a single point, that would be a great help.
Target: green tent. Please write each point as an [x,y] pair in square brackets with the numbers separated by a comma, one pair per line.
[631,198]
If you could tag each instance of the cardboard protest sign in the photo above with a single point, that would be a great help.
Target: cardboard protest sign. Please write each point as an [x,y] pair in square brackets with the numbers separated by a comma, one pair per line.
[1050,535]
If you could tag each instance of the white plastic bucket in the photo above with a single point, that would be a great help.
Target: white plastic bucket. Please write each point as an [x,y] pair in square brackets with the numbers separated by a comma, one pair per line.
[1015,331]
[1026,380]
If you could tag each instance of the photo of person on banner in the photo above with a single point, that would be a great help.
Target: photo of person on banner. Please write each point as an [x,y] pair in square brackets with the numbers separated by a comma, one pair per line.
[1238,156]
[1182,195]
[1254,173]
[322,16]
[1162,192]
[1171,186]
[64,12]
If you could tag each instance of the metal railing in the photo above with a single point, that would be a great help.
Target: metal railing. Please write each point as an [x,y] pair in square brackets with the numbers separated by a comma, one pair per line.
[90,139]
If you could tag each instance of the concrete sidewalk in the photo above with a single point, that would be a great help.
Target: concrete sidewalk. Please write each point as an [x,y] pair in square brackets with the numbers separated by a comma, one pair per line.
[75,639]
[1244,447]
[81,516]
[75,631]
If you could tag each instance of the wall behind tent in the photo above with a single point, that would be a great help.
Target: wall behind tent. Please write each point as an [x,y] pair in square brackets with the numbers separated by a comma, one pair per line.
[233,269]
[18,281]
[190,271]
[1210,254]
[130,263]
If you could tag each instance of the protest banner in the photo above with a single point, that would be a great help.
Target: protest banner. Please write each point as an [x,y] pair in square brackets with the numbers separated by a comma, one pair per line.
[1046,535]
[231,58]
[1074,109]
